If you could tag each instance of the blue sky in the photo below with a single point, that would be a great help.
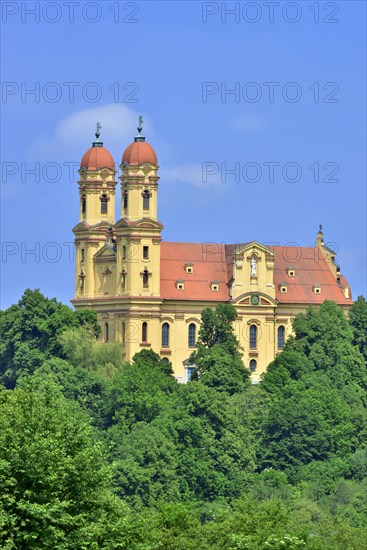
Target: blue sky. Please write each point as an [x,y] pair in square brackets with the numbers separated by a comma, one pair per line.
[292,132]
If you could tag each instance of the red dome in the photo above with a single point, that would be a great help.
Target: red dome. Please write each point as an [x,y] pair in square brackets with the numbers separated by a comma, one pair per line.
[139,152]
[97,157]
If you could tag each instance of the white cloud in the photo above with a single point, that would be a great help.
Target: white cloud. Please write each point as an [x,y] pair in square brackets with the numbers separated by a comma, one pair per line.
[73,135]
[76,132]
[206,174]
[249,123]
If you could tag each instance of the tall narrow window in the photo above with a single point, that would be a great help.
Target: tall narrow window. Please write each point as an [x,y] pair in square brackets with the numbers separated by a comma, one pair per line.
[145,278]
[106,332]
[192,335]
[124,252]
[165,335]
[281,332]
[123,332]
[190,372]
[253,365]
[104,202]
[145,252]
[146,200]
[84,204]
[81,277]
[144,332]
[253,337]
[125,200]
[82,255]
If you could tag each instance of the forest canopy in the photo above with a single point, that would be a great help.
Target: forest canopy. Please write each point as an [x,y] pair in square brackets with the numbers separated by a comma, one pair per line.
[98,453]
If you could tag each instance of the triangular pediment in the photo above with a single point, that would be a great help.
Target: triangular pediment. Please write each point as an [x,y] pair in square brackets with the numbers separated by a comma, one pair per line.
[107,252]
[252,247]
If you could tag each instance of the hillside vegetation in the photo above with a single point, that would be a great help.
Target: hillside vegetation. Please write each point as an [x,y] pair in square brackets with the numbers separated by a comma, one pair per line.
[97,453]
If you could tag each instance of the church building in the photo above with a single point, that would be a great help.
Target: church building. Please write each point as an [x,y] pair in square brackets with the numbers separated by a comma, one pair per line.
[149,293]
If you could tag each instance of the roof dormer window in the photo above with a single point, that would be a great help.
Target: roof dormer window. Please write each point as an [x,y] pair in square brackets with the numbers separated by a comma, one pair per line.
[283,288]
[214,285]
[189,268]
[316,289]
[291,272]
[180,285]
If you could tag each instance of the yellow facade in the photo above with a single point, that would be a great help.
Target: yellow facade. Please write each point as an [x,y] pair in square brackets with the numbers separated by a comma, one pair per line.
[118,273]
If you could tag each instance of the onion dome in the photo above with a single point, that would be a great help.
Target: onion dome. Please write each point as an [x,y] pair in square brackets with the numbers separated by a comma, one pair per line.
[139,151]
[97,156]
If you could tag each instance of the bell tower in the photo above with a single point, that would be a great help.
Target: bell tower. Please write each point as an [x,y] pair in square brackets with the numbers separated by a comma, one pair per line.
[139,179]
[139,231]
[96,212]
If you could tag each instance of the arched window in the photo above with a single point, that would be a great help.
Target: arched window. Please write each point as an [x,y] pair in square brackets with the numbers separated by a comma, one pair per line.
[123,332]
[252,365]
[144,332]
[192,335]
[165,360]
[146,200]
[145,278]
[106,332]
[104,202]
[125,200]
[84,204]
[281,333]
[253,337]
[165,335]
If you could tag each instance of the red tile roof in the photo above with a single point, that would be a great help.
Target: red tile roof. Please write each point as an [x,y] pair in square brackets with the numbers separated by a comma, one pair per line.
[214,262]
[96,158]
[139,152]
[209,264]
[311,269]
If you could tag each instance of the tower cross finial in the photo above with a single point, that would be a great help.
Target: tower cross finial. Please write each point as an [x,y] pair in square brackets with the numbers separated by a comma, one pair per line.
[98,127]
[140,124]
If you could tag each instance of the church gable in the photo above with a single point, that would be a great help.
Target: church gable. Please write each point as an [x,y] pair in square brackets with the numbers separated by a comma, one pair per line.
[253,265]
[106,253]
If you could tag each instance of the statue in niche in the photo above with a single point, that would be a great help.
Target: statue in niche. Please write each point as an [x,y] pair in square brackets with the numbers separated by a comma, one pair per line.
[253,267]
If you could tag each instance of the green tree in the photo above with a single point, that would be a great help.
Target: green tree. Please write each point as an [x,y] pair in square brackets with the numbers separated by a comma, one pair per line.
[91,389]
[217,328]
[139,393]
[289,365]
[80,348]
[218,355]
[54,478]
[215,448]
[325,337]
[309,421]
[145,465]
[29,333]
[358,321]
[148,357]
[218,369]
